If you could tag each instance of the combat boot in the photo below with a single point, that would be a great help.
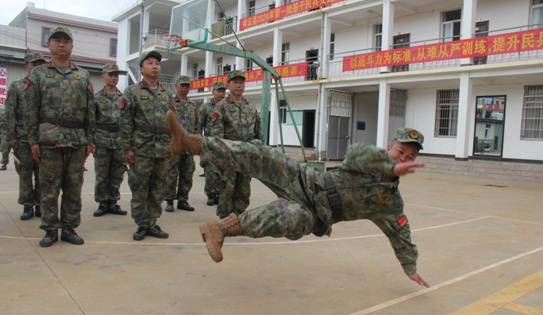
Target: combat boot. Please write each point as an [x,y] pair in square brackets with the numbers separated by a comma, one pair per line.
[169,206]
[3,167]
[102,209]
[37,211]
[140,233]
[210,200]
[68,235]
[184,205]
[157,232]
[28,213]
[49,239]
[182,141]
[114,208]
[213,234]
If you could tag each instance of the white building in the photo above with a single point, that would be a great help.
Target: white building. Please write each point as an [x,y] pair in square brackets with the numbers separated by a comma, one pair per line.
[471,107]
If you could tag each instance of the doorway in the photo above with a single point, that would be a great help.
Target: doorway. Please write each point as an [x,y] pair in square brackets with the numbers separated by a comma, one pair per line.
[401,41]
[308,129]
[489,126]
[312,58]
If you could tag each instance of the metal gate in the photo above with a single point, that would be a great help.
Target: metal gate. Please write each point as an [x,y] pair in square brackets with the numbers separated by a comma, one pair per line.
[340,106]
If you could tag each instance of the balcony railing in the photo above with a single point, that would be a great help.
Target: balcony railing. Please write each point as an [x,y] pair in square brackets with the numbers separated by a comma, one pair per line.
[312,69]
[225,26]
[253,11]
[153,39]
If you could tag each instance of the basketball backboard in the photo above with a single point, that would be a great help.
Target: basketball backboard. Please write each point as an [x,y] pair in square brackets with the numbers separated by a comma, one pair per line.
[189,20]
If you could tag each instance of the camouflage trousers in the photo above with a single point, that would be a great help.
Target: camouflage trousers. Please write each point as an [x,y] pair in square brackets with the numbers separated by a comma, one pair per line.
[61,168]
[29,192]
[109,167]
[147,181]
[5,148]
[235,193]
[213,183]
[180,172]
[292,216]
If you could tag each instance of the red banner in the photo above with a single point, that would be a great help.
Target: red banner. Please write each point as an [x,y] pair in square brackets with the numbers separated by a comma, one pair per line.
[294,70]
[283,11]
[468,48]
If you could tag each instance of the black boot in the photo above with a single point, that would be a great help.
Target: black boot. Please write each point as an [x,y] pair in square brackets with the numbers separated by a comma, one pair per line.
[157,232]
[102,209]
[49,239]
[114,208]
[28,213]
[37,211]
[217,196]
[210,200]
[169,206]
[140,233]
[184,205]
[3,167]
[68,235]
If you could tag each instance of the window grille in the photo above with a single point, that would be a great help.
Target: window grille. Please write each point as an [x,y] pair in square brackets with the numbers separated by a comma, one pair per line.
[532,113]
[340,104]
[446,113]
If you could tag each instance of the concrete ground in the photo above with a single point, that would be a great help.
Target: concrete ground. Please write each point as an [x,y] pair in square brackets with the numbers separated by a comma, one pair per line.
[480,243]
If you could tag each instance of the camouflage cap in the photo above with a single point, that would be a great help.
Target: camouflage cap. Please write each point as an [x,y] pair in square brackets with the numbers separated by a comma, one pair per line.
[110,67]
[410,135]
[183,79]
[219,85]
[149,54]
[235,74]
[31,57]
[60,29]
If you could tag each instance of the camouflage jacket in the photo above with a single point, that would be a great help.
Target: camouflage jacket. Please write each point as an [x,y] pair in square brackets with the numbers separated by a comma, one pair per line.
[51,94]
[141,106]
[108,112]
[236,121]
[206,113]
[3,130]
[367,193]
[13,116]
[188,115]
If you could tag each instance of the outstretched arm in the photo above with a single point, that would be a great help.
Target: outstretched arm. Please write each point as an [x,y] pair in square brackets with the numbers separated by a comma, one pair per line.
[405,168]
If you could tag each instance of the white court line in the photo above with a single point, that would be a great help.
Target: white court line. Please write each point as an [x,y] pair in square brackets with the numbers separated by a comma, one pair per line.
[260,243]
[457,211]
[444,284]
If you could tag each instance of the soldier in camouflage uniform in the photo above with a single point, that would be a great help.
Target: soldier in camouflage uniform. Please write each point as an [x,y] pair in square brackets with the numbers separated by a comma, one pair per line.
[29,193]
[109,162]
[235,118]
[182,167]
[4,144]
[364,186]
[145,145]
[213,181]
[60,122]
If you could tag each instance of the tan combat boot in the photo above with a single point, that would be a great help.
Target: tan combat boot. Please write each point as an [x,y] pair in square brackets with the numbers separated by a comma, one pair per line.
[213,234]
[182,141]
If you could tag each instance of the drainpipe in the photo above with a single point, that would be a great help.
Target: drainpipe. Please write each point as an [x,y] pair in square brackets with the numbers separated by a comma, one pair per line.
[321,89]
[141,34]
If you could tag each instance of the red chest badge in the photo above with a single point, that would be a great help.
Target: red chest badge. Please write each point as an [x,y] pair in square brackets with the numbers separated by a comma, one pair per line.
[215,117]
[123,103]
[402,221]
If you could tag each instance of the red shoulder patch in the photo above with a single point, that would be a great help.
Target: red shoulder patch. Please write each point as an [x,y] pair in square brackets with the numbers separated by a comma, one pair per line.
[27,83]
[228,100]
[198,113]
[102,92]
[123,103]
[402,221]
[141,84]
[215,117]
[92,87]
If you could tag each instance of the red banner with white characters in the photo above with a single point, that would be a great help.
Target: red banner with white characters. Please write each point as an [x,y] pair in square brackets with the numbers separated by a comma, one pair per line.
[283,11]
[468,48]
[294,70]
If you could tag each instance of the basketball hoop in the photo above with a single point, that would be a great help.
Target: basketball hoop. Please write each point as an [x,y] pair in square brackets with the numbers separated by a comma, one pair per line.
[171,40]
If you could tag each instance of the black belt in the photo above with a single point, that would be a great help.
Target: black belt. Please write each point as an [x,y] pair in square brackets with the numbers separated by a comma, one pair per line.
[151,128]
[108,127]
[63,122]
[333,197]
[19,116]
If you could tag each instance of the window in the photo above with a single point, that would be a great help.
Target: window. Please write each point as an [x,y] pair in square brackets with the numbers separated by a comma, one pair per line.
[451,25]
[195,71]
[249,63]
[537,13]
[446,113]
[219,66]
[251,8]
[113,47]
[532,113]
[332,45]
[378,36]
[283,111]
[285,53]
[45,38]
